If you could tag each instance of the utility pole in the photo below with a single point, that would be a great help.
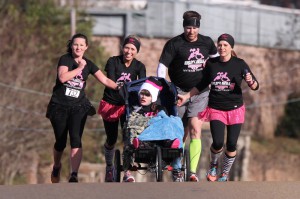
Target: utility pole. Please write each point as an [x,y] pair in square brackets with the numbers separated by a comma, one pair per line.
[73,18]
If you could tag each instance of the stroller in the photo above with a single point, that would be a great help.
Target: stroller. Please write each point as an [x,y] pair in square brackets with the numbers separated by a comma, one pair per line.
[156,158]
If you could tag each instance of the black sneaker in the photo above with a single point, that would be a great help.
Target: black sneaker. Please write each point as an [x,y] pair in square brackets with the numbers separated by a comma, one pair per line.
[73,177]
[55,174]
[109,174]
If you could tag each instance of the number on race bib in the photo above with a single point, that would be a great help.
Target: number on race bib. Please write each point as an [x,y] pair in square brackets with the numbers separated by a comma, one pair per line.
[72,93]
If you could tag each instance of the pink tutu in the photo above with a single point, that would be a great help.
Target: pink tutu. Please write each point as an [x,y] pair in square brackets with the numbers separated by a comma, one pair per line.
[236,116]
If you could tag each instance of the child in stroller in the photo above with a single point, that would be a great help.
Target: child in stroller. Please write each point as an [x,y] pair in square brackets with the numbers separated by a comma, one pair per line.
[137,127]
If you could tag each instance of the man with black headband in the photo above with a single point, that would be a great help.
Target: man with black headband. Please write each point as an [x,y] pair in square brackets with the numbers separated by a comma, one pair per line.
[185,56]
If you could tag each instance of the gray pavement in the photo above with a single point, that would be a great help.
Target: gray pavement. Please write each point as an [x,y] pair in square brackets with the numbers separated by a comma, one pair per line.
[154,190]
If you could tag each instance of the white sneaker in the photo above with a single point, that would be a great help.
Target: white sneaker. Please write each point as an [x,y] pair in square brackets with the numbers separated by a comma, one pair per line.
[128,177]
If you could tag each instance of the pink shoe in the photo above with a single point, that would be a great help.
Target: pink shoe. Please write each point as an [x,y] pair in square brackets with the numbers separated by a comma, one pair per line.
[194,177]
[175,144]
[212,173]
[135,143]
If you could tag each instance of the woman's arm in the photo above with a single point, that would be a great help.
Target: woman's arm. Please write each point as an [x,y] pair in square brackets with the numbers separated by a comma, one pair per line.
[182,99]
[251,81]
[105,81]
[65,75]
[203,84]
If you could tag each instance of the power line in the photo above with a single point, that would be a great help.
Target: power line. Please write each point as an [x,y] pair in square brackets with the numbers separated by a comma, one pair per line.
[254,105]
[14,108]
[24,89]
[26,111]
[24,129]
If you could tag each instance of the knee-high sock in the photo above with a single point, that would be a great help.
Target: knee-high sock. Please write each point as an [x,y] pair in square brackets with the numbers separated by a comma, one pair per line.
[195,152]
[227,163]
[109,155]
[214,157]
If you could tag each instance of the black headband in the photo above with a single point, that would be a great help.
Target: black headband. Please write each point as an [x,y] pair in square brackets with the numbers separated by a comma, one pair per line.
[134,41]
[228,38]
[191,22]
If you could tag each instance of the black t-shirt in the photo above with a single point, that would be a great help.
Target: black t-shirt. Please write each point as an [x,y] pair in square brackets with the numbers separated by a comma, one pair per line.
[225,79]
[186,60]
[72,91]
[118,72]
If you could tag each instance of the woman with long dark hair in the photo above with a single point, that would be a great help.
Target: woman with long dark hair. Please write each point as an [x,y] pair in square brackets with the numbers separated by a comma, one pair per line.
[69,107]
[120,69]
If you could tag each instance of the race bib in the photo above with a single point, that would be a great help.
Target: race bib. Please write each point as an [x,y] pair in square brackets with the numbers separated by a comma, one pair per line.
[72,93]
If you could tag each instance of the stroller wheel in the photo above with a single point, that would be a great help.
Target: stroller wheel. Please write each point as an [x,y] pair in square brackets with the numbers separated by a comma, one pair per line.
[186,165]
[117,166]
[158,165]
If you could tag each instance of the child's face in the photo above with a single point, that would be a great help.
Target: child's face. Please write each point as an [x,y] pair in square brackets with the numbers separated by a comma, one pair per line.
[145,97]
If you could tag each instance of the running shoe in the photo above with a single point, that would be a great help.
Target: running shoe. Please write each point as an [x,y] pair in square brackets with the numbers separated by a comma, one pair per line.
[212,173]
[109,174]
[55,174]
[128,177]
[194,177]
[223,178]
[177,176]
[73,177]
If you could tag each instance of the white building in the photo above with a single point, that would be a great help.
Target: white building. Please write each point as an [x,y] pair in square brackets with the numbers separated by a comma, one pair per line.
[247,20]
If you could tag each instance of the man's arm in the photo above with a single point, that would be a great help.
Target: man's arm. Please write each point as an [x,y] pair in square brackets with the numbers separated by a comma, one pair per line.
[161,70]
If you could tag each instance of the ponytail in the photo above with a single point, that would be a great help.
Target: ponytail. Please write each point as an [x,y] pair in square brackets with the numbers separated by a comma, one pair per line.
[233,53]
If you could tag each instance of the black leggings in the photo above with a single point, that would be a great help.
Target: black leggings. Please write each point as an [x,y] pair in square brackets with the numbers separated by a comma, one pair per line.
[218,131]
[66,120]
[111,130]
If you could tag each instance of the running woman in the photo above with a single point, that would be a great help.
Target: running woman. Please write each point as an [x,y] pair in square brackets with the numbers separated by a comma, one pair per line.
[120,69]
[225,108]
[69,107]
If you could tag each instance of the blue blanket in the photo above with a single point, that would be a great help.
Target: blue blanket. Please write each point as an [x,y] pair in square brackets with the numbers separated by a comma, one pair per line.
[163,127]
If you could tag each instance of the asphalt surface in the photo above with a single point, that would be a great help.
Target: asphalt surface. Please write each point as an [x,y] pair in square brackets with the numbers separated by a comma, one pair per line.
[154,190]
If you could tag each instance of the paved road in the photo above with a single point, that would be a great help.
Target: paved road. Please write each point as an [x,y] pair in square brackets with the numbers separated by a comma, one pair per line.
[154,190]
